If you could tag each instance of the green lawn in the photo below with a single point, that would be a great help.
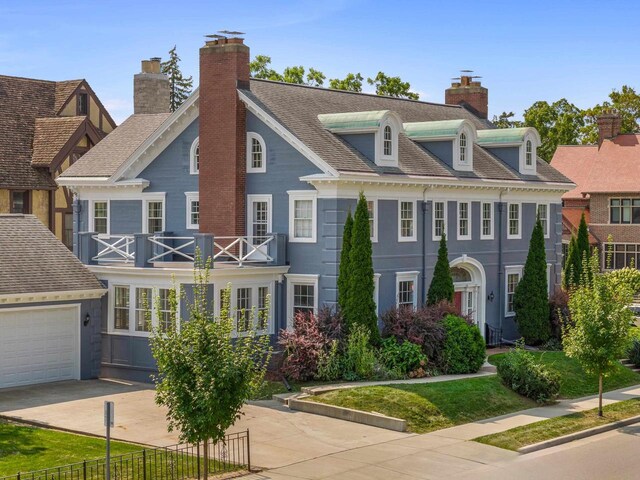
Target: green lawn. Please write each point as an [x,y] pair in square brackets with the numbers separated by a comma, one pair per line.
[556,427]
[574,381]
[432,406]
[24,448]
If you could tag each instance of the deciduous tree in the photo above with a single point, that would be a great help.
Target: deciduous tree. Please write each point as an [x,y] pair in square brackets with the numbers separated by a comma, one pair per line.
[392,86]
[626,102]
[352,83]
[505,120]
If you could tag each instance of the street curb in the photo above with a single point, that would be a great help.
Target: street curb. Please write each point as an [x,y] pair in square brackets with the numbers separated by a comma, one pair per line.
[578,435]
[348,414]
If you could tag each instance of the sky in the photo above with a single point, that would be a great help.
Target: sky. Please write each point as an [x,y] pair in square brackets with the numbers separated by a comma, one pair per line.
[524,51]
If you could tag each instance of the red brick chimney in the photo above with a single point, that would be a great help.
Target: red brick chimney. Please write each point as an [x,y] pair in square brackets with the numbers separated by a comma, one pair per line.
[608,125]
[224,64]
[470,94]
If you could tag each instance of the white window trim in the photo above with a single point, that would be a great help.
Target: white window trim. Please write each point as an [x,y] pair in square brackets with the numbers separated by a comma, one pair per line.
[132,332]
[403,277]
[92,213]
[547,234]
[467,165]
[192,157]
[434,237]
[469,206]
[517,236]
[380,158]
[300,279]
[191,197]
[374,237]
[376,291]
[413,237]
[524,168]
[250,137]
[303,195]
[493,207]
[254,303]
[160,197]
[251,198]
[509,270]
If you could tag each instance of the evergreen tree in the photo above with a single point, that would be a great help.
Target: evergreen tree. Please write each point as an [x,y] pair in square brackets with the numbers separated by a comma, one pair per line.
[361,307]
[584,250]
[343,275]
[180,85]
[572,265]
[531,298]
[441,287]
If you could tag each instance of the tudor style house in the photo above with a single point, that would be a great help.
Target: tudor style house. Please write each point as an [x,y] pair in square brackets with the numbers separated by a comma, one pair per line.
[260,176]
[607,192]
[45,127]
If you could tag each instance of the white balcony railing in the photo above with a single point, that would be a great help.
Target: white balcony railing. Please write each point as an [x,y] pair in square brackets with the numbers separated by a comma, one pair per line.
[115,248]
[241,250]
[169,248]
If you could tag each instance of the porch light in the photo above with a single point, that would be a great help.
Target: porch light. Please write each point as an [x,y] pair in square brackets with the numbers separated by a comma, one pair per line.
[491,296]
[87,319]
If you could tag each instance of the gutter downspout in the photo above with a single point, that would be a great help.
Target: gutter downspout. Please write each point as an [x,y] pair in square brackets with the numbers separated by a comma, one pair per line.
[424,244]
[500,260]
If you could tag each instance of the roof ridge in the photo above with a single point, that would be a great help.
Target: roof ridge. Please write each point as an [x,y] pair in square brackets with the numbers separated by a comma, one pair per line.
[335,90]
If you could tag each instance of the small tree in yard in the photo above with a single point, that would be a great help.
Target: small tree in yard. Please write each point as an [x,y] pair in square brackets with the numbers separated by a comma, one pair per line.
[601,323]
[583,248]
[361,307]
[572,266]
[531,298]
[441,287]
[205,374]
[343,274]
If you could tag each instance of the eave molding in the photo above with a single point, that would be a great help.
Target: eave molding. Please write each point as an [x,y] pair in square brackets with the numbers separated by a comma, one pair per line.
[18,298]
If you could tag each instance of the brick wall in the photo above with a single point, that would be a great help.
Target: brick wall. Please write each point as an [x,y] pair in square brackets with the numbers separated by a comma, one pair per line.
[599,224]
[222,137]
[476,97]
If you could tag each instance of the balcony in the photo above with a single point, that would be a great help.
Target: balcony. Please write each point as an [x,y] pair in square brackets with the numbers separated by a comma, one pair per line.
[165,250]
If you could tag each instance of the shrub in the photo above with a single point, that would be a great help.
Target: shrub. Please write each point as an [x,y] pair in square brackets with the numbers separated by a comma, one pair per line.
[559,314]
[629,276]
[331,324]
[464,347]
[519,371]
[634,352]
[302,347]
[404,357]
[330,364]
[552,345]
[422,327]
[359,358]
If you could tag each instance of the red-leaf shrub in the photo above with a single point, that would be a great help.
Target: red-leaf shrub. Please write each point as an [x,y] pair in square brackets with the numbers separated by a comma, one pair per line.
[559,313]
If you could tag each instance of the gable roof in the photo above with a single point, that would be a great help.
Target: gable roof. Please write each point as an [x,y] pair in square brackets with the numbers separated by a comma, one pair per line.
[297,108]
[612,167]
[22,101]
[51,135]
[107,156]
[33,260]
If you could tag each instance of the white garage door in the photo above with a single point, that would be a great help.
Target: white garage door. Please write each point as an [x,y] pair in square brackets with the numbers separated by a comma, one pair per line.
[39,345]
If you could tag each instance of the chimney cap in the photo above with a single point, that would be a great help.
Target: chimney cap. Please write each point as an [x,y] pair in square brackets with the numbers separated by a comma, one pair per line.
[156,59]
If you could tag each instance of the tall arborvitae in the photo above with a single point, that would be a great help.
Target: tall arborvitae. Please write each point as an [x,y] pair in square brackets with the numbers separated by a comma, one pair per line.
[343,275]
[584,250]
[361,307]
[180,85]
[441,287]
[531,298]
[572,266]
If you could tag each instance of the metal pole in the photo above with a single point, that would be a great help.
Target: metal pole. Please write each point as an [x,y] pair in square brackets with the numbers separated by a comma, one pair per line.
[108,475]
[248,452]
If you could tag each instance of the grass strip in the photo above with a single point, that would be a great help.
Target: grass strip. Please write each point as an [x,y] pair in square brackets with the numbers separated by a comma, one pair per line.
[519,437]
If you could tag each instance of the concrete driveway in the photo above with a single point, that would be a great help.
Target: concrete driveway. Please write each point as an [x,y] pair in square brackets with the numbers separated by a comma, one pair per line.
[279,436]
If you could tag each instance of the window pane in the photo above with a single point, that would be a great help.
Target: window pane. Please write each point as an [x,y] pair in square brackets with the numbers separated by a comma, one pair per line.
[463,148]
[256,153]
[260,225]
[463,219]
[303,298]
[144,304]
[370,208]
[514,219]
[303,218]
[243,309]
[100,217]
[154,217]
[542,215]
[438,215]
[195,212]
[486,219]
[164,308]
[263,310]
[406,219]
[387,144]
[512,283]
[196,159]
[121,307]
[615,214]
[406,293]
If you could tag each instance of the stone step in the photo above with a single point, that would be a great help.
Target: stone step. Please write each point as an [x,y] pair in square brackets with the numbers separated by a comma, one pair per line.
[626,361]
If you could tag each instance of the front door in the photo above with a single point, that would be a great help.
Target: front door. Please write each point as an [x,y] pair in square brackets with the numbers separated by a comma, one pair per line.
[457,301]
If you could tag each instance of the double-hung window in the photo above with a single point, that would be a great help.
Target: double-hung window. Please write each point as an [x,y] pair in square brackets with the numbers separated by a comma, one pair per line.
[439,219]
[514,228]
[406,286]
[624,210]
[512,278]
[259,218]
[144,307]
[243,309]
[155,216]
[487,221]
[407,221]
[164,308]
[100,211]
[464,221]
[302,295]
[136,309]
[387,141]
[302,216]
[543,215]
[372,210]
[121,306]
[193,210]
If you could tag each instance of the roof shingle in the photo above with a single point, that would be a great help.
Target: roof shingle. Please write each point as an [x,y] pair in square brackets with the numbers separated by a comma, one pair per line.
[33,260]
[51,135]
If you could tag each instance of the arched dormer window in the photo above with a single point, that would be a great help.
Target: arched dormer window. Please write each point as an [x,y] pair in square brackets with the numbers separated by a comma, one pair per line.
[528,154]
[194,157]
[387,141]
[463,148]
[256,153]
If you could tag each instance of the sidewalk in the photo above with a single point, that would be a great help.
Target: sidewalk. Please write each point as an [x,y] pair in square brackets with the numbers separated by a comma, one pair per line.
[439,454]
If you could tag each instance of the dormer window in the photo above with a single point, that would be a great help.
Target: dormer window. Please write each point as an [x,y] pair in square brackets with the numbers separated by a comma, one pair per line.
[387,142]
[528,155]
[194,157]
[504,142]
[256,153]
[463,148]
[530,142]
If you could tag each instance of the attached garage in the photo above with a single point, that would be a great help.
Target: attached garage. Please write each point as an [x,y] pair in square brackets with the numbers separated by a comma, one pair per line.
[50,308]
[39,344]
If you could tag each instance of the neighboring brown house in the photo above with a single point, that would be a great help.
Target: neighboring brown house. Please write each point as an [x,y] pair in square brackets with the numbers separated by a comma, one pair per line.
[607,190]
[45,126]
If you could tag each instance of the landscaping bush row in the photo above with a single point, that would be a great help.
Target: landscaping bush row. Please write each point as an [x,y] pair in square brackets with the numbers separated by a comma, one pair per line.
[416,343]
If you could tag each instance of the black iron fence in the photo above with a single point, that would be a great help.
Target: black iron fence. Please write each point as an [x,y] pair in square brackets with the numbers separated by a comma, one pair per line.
[176,462]
[493,337]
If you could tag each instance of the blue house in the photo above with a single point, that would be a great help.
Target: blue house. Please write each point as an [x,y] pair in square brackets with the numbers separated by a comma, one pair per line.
[260,175]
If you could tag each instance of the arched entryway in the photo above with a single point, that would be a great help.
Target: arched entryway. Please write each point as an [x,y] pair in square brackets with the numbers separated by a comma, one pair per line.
[469,282]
